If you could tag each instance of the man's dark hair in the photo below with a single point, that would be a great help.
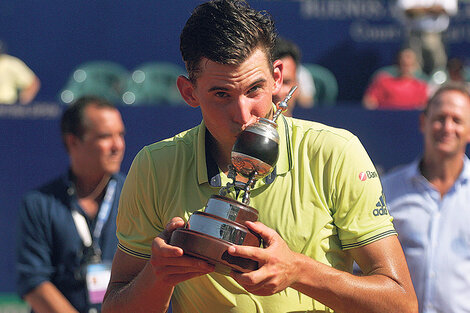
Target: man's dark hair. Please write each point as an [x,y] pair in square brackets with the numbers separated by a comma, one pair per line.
[452,86]
[73,118]
[286,48]
[226,32]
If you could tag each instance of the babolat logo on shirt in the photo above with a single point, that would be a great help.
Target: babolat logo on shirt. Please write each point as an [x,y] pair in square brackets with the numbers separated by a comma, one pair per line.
[367,174]
[381,207]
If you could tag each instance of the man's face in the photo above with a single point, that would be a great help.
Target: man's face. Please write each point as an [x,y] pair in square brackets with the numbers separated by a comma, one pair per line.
[446,126]
[407,62]
[289,80]
[233,97]
[101,149]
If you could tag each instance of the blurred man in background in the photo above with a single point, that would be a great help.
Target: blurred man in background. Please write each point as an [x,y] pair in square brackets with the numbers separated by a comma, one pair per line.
[430,202]
[294,74]
[67,227]
[18,84]
[397,91]
[425,22]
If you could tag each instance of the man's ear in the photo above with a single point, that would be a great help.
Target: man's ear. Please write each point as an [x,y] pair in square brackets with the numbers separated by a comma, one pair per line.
[70,141]
[422,117]
[186,88]
[277,75]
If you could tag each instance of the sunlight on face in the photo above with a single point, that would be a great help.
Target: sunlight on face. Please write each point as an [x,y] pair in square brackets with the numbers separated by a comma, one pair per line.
[446,127]
[232,97]
[102,147]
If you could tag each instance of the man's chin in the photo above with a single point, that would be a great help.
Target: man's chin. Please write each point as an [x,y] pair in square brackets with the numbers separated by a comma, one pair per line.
[446,150]
[112,170]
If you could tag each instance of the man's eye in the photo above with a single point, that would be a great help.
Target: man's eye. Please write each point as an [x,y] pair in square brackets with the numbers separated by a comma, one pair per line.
[221,94]
[254,88]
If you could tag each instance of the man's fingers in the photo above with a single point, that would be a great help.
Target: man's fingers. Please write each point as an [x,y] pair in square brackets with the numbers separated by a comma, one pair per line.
[247,252]
[164,249]
[264,231]
[174,223]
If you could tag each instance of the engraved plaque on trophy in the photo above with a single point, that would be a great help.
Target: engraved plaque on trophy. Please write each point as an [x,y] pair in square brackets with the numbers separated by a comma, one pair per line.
[208,234]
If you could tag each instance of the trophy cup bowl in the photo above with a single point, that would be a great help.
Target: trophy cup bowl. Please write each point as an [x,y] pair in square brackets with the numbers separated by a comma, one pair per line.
[257,149]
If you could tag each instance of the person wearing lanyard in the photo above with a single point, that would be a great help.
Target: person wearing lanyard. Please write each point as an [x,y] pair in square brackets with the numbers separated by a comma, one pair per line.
[67,226]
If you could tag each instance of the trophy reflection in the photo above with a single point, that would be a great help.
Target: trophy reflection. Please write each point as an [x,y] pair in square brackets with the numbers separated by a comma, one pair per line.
[209,234]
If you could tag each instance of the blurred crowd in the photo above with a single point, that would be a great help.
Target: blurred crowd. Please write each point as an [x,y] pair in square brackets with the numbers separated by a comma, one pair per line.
[422,65]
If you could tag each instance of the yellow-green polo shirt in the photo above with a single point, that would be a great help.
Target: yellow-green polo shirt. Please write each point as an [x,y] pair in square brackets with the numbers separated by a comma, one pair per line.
[323,198]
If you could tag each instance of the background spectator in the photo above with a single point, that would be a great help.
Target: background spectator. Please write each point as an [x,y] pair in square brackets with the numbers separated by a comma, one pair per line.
[402,91]
[67,226]
[293,75]
[455,73]
[425,21]
[17,82]
[429,200]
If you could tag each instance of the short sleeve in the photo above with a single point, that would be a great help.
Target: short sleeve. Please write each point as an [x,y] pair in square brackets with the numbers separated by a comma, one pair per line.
[360,211]
[24,77]
[137,221]
[374,90]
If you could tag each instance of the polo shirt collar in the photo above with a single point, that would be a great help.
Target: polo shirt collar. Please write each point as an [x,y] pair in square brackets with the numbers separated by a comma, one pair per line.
[285,162]
[414,172]
[205,163]
[200,147]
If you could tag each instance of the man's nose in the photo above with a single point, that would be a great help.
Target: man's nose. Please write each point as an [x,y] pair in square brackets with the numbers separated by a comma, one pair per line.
[242,111]
[449,124]
[118,142]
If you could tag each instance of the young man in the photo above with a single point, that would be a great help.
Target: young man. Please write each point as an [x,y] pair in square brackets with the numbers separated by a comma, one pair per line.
[315,214]
[69,223]
[429,200]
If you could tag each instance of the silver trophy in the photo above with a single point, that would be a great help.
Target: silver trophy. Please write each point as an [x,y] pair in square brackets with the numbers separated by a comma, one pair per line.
[209,234]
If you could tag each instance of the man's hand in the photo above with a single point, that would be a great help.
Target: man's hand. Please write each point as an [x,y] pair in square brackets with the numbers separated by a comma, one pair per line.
[169,262]
[277,263]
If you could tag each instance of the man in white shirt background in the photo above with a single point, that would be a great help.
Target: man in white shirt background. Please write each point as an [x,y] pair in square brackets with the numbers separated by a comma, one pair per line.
[429,200]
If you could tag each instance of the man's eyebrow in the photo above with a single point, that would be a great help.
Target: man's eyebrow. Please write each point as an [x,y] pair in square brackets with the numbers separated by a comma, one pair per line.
[256,82]
[259,81]
[217,88]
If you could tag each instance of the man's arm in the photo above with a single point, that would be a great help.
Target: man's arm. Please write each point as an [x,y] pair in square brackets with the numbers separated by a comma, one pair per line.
[370,102]
[27,94]
[420,11]
[385,287]
[133,276]
[138,285]
[46,298]
[370,99]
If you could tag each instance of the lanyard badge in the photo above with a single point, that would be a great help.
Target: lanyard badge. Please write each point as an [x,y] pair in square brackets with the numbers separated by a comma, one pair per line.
[97,279]
[97,273]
